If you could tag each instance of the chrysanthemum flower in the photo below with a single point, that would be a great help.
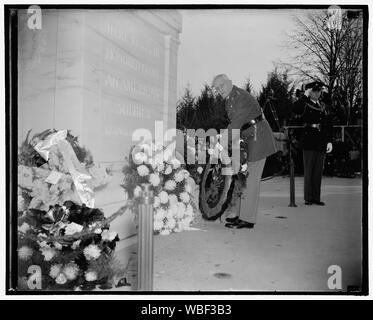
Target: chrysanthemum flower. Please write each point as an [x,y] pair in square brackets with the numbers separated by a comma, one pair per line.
[157,202]
[91,275]
[184,196]
[71,271]
[157,225]
[61,279]
[55,270]
[48,253]
[154,179]
[170,185]
[24,227]
[92,252]
[25,253]
[143,170]
[108,235]
[179,176]
[163,195]
[172,198]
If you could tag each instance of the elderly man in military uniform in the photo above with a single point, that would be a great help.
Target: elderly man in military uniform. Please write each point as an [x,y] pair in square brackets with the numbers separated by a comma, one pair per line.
[245,114]
[316,139]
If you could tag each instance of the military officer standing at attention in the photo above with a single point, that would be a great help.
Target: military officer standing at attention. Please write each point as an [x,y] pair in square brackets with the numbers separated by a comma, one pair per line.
[245,114]
[316,139]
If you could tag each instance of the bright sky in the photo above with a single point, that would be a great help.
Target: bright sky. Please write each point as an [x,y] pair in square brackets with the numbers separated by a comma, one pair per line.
[239,42]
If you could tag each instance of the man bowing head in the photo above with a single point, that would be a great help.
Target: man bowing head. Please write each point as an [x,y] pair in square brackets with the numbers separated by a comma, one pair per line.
[245,114]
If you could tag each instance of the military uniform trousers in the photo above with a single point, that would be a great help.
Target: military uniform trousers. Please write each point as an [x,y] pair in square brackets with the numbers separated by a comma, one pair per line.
[313,163]
[247,206]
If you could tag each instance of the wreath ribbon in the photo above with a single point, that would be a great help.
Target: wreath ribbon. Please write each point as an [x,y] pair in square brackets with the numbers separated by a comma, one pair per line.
[74,167]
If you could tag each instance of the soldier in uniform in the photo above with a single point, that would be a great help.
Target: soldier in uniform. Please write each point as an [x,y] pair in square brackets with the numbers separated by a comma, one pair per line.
[246,115]
[316,139]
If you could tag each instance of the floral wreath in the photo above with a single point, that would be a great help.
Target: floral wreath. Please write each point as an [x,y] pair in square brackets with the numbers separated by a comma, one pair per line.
[169,181]
[59,229]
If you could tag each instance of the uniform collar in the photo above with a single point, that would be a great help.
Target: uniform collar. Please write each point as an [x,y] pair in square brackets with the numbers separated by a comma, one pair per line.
[232,93]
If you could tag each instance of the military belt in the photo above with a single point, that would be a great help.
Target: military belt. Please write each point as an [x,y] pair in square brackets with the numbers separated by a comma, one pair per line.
[252,122]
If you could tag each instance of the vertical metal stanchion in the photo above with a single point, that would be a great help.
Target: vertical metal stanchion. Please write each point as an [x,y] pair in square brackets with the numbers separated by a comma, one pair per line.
[291,172]
[145,249]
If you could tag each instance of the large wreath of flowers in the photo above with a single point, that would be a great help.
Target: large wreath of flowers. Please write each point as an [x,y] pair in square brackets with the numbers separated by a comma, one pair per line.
[71,244]
[59,230]
[158,166]
[44,178]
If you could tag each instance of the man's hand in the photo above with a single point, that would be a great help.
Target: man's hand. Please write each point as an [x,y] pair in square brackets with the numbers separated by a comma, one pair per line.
[329,147]
[307,92]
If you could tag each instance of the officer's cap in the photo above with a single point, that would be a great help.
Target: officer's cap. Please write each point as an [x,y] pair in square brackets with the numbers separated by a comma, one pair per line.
[315,85]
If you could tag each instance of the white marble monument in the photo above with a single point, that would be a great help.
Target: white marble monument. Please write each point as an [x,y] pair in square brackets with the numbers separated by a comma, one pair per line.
[102,74]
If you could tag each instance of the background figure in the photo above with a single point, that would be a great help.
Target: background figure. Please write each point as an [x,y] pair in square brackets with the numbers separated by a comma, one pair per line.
[245,114]
[316,139]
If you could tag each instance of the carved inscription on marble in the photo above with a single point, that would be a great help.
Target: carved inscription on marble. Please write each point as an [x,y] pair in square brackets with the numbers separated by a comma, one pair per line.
[120,34]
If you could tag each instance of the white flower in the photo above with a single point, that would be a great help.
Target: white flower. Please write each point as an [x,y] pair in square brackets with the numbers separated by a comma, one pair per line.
[188,188]
[143,170]
[165,232]
[184,196]
[108,235]
[98,231]
[170,185]
[154,179]
[172,211]
[163,195]
[24,227]
[160,166]
[43,244]
[61,279]
[91,275]
[55,270]
[176,163]
[168,170]
[137,192]
[199,170]
[244,167]
[157,202]
[211,151]
[71,271]
[25,253]
[179,176]
[92,252]
[72,228]
[171,223]
[157,225]
[140,157]
[159,214]
[48,253]
[75,244]
[57,245]
[172,198]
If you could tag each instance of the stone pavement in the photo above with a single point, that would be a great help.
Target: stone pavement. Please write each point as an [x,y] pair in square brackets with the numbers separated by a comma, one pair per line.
[290,249]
